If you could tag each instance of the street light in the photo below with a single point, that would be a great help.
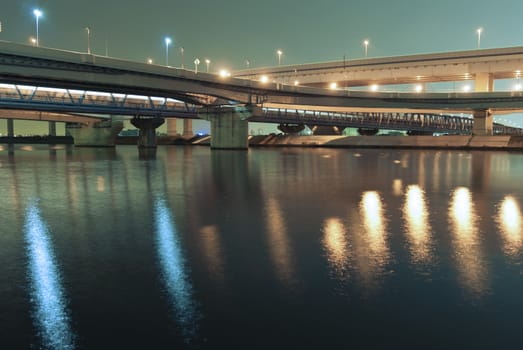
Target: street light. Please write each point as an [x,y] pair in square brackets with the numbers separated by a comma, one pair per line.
[279,52]
[37,14]
[88,30]
[150,61]
[32,40]
[196,63]
[366,44]
[182,51]
[207,62]
[167,43]
[479,30]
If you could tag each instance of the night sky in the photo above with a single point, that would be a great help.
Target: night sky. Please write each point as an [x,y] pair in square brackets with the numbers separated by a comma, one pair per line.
[229,32]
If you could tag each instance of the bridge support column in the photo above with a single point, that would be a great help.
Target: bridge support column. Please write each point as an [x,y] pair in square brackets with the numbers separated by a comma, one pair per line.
[483,123]
[484,82]
[229,127]
[147,135]
[52,128]
[10,128]
[99,134]
[187,128]
[171,127]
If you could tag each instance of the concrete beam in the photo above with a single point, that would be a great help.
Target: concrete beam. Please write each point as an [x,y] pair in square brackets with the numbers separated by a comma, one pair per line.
[484,82]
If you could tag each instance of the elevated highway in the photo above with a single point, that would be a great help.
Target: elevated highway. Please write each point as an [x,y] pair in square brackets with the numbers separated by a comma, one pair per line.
[227,102]
[480,67]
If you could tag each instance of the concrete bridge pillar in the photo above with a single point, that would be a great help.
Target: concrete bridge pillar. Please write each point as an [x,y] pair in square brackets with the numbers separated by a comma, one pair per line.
[484,82]
[229,127]
[52,128]
[171,127]
[10,128]
[483,123]
[147,135]
[187,128]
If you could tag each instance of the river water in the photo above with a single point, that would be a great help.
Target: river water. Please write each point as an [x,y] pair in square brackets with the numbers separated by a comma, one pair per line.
[267,248]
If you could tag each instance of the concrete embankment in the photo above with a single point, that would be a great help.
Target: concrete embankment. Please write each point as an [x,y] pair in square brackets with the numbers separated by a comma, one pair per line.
[456,142]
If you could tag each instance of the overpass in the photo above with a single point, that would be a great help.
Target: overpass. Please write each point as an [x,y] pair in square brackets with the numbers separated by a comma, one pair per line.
[480,67]
[228,103]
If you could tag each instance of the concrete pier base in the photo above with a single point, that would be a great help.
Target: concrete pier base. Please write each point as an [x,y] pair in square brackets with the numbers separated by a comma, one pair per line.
[99,134]
[483,123]
[187,128]
[229,127]
[147,135]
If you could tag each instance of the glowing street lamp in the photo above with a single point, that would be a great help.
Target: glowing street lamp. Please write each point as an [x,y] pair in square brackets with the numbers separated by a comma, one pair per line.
[37,14]
[207,63]
[279,52]
[33,40]
[196,63]
[150,61]
[167,43]
[479,31]
[88,30]
[366,45]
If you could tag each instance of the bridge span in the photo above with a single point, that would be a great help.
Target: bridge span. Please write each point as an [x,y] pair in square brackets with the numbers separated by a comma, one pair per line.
[228,103]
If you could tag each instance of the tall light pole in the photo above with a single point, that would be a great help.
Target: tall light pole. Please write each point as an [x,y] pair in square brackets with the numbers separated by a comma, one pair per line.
[479,30]
[88,30]
[182,51]
[207,62]
[37,14]
[366,45]
[196,63]
[167,42]
[279,52]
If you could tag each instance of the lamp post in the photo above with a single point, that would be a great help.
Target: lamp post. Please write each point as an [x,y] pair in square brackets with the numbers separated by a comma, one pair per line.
[88,30]
[207,62]
[37,14]
[167,42]
[366,45]
[182,50]
[279,52]
[196,63]
[479,30]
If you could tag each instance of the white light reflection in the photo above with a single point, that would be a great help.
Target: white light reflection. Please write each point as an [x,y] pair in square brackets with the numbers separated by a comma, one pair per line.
[509,221]
[281,252]
[173,269]
[417,224]
[370,246]
[47,295]
[466,241]
[336,246]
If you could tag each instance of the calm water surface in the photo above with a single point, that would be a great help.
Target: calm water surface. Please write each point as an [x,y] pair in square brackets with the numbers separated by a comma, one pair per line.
[270,248]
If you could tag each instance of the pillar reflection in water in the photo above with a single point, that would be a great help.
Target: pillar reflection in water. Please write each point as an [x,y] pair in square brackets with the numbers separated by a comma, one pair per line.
[466,241]
[416,216]
[279,242]
[47,295]
[336,246]
[213,252]
[510,224]
[173,269]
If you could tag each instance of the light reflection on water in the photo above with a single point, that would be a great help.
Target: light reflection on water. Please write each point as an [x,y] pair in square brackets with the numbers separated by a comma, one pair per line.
[369,241]
[467,243]
[48,297]
[418,229]
[279,242]
[509,222]
[336,246]
[173,267]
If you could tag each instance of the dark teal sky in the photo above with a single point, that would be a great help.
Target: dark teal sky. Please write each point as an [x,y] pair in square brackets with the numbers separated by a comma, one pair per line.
[230,31]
